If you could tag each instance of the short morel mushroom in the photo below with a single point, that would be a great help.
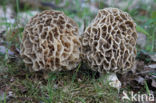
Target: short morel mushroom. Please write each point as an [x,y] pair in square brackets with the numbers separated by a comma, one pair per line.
[51,42]
[108,43]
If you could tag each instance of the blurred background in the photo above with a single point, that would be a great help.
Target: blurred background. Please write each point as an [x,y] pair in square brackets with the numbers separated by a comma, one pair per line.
[16,13]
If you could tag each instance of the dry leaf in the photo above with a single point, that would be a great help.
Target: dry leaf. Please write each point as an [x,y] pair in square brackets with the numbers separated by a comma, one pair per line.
[154,83]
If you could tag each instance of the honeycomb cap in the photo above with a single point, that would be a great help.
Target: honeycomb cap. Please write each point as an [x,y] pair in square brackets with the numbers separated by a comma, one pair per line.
[51,42]
[108,43]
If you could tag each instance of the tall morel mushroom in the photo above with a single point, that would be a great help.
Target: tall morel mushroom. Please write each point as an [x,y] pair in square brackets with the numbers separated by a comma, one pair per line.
[108,43]
[51,42]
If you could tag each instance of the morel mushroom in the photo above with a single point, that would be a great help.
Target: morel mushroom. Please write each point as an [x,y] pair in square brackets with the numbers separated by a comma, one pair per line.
[51,42]
[108,43]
